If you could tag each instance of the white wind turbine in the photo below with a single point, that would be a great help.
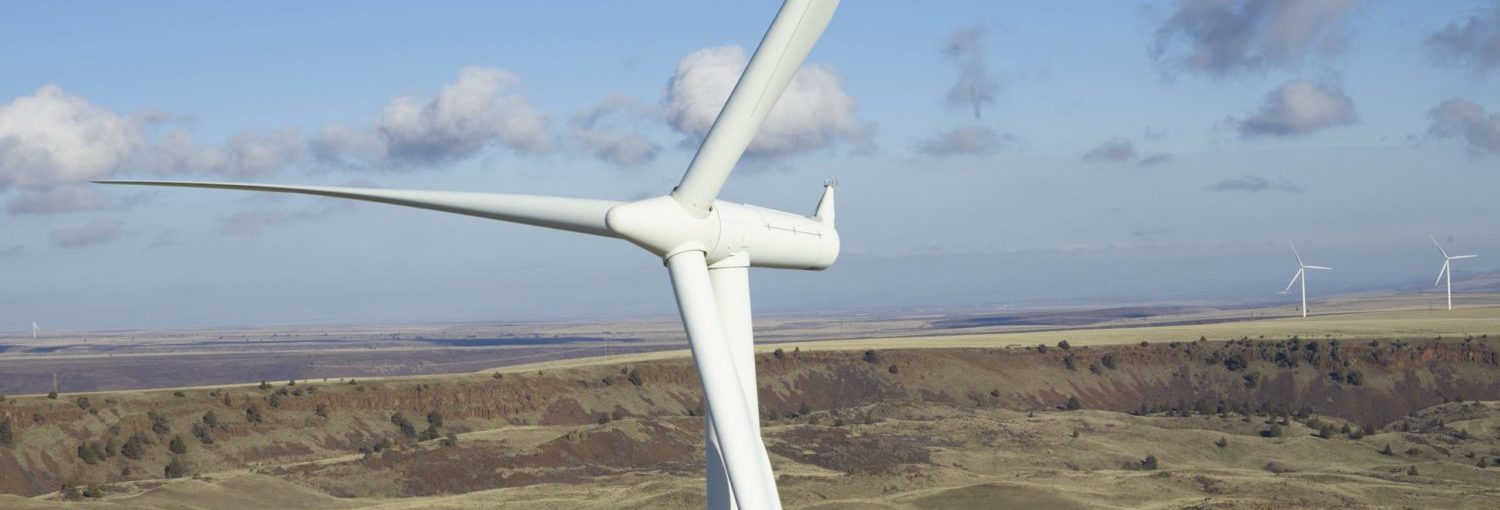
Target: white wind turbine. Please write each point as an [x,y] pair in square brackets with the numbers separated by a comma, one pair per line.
[707,245]
[1447,272]
[34,330]
[1301,275]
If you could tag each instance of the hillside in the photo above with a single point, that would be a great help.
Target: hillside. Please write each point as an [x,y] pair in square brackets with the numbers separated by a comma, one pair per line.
[893,426]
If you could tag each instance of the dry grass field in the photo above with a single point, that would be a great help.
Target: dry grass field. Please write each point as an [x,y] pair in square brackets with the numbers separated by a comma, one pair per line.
[1269,413]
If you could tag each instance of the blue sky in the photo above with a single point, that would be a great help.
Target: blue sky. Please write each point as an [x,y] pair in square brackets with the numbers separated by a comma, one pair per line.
[1097,170]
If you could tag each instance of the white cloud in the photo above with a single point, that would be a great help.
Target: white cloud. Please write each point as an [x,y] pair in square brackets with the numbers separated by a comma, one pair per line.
[611,131]
[51,138]
[1461,118]
[1223,37]
[812,114]
[966,141]
[1474,43]
[1299,107]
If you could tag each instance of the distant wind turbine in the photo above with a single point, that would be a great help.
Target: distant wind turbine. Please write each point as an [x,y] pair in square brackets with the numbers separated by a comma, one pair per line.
[1301,275]
[34,329]
[1447,272]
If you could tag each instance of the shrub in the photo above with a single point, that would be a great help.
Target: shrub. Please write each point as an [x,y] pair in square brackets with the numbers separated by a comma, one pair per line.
[90,454]
[498,376]
[135,446]
[93,491]
[83,403]
[779,354]
[292,382]
[179,394]
[1109,361]
[1235,363]
[400,421]
[803,410]
[1412,471]
[432,433]
[995,393]
[1070,362]
[1274,431]
[1355,378]
[635,377]
[264,385]
[1094,369]
[52,395]
[211,419]
[1386,450]
[321,410]
[177,445]
[1073,404]
[451,440]
[1222,442]
[159,423]
[1278,468]
[69,491]
[252,414]
[204,433]
[893,369]
[871,357]
[435,418]
[1064,345]
[1149,463]
[7,434]
[175,469]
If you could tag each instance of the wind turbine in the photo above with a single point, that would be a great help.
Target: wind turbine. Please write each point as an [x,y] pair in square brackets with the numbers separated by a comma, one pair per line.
[1301,275]
[34,330]
[707,245]
[1447,272]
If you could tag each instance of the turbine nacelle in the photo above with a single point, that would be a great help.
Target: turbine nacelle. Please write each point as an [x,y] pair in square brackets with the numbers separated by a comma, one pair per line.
[767,237]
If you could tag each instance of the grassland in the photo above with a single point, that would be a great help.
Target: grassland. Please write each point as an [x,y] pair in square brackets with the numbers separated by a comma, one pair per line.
[910,422]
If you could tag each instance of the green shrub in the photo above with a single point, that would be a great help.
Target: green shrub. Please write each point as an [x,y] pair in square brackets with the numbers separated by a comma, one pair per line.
[175,469]
[1073,404]
[7,433]
[159,423]
[177,445]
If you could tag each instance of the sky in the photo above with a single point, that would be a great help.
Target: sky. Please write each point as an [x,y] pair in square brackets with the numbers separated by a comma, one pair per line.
[989,154]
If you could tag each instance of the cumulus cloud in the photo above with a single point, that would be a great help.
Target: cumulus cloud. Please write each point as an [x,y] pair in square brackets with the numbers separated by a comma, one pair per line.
[1224,37]
[52,143]
[475,112]
[1460,118]
[1475,43]
[1254,183]
[812,114]
[966,141]
[975,86]
[1299,107]
[90,234]
[1121,150]
[609,131]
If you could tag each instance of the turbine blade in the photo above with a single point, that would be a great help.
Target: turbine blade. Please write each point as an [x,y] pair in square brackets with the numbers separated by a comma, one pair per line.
[572,214]
[1456,257]
[1298,255]
[1439,245]
[782,51]
[1293,282]
[1316,267]
[744,455]
[1440,274]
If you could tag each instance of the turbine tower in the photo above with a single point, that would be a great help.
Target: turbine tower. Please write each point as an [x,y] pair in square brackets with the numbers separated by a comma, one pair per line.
[34,330]
[1301,275]
[706,244]
[1447,272]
